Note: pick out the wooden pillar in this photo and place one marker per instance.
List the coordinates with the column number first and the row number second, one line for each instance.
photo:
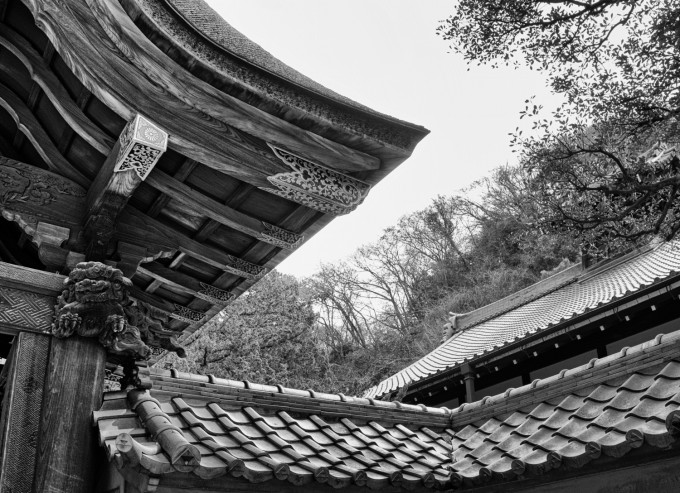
column 74, row 386
column 469, row 379
column 24, row 374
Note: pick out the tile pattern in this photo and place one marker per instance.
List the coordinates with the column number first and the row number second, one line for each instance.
column 273, row 440
column 591, row 290
column 210, row 427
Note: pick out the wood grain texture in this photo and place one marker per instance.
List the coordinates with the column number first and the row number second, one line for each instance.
column 139, row 78
column 196, row 200
column 67, row 446
column 52, row 87
column 40, row 194
column 21, row 410
column 34, row 132
column 130, row 40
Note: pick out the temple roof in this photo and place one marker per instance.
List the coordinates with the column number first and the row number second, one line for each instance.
column 626, row 403
column 151, row 135
column 557, row 301
column 217, row 30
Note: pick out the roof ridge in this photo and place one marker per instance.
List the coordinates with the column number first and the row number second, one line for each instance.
column 307, row 400
column 553, row 384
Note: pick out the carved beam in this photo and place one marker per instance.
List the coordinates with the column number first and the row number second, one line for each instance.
column 137, row 150
column 223, row 213
column 186, row 283
column 168, row 309
column 317, row 186
column 196, row 114
column 47, row 206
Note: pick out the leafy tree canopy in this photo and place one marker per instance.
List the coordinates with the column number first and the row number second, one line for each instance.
column 605, row 163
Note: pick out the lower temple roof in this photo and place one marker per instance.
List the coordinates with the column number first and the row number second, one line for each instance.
column 209, row 429
column 550, row 303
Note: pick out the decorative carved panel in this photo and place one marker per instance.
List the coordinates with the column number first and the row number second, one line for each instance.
column 317, row 186
column 29, row 195
column 214, row 295
column 24, row 309
column 141, row 145
column 244, row 268
column 280, row 237
column 187, row 314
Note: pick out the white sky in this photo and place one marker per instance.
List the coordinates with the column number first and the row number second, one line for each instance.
column 385, row 55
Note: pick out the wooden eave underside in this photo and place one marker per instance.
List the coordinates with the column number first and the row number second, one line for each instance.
column 67, row 90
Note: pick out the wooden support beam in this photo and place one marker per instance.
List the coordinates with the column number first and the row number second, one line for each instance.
column 223, row 214
column 186, row 283
column 133, row 157
column 180, row 175
column 137, row 228
column 34, row 132
column 146, row 80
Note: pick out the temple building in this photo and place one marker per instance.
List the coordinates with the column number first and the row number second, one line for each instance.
column 154, row 164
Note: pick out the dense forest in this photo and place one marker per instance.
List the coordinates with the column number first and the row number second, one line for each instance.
column 600, row 174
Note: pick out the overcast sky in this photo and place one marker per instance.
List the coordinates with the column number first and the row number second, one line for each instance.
column 385, row 54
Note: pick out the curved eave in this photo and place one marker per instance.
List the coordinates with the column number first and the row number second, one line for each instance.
column 195, row 35
column 73, row 72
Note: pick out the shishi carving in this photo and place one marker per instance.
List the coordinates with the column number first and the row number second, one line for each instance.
column 91, row 305
column 95, row 303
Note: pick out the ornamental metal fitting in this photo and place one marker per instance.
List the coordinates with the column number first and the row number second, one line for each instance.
column 141, row 145
column 317, row 186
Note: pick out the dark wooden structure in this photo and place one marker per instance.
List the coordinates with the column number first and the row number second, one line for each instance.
column 154, row 164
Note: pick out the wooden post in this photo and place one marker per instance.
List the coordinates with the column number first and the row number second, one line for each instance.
column 469, row 379
column 21, row 407
column 74, row 389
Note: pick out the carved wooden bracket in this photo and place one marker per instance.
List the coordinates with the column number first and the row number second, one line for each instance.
column 137, row 150
column 280, row 237
column 95, row 303
column 317, row 186
column 186, row 314
column 141, row 145
column 243, row 268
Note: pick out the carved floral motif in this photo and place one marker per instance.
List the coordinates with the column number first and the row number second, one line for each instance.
column 186, row 314
column 317, row 186
column 214, row 295
column 280, row 237
column 141, row 145
column 244, row 268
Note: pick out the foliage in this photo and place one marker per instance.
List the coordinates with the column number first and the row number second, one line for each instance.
column 265, row 336
column 596, row 165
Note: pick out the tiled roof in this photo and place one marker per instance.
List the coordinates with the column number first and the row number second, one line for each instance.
column 542, row 306
column 262, row 433
column 208, row 22
column 207, row 427
column 607, row 407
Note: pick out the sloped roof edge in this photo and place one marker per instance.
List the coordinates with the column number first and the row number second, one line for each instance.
column 553, row 301
column 217, row 31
